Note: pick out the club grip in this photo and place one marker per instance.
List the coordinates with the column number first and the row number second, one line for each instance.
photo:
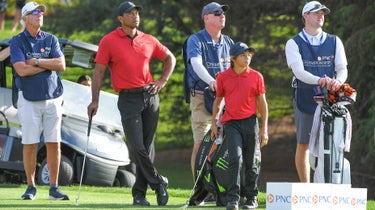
column 89, row 126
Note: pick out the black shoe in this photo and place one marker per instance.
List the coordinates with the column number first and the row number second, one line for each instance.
column 251, row 203
column 140, row 201
column 161, row 192
column 30, row 193
column 233, row 205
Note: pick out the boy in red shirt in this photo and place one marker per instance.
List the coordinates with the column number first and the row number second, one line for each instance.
column 243, row 91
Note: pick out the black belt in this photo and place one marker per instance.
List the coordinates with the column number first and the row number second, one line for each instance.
column 137, row 90
column 193, row 92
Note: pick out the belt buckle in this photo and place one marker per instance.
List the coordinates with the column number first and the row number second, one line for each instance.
column 146, row 87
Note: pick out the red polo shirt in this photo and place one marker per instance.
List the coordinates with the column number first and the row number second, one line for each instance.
column 239, row 92
column 129, row 59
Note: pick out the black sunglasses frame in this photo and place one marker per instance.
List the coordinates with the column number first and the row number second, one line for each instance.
column 218, row 12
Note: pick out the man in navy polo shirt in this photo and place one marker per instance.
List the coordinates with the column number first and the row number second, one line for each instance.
column 37, row 59
column 208, row 54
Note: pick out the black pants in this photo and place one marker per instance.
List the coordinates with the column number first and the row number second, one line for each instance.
column 139, row 116
column 242, row 141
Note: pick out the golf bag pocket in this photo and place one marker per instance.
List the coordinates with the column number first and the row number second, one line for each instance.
column 200, row 173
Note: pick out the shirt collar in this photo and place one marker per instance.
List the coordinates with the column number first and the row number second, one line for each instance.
column 41, row 35
column 314, row 40
column 121, row 33
column 211, row 42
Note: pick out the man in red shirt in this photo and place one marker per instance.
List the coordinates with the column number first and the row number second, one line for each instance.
column 243, row 91
column 128, row 52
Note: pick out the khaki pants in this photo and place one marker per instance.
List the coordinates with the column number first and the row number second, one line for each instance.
column 200, row 118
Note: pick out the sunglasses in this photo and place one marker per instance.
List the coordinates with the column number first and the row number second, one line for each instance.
column 317, row 6
column 217, row 12
column 36, row 12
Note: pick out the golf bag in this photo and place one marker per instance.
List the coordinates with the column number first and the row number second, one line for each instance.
column 206, row 164
column 201, row 171
column 211, row 174
column 330, row 137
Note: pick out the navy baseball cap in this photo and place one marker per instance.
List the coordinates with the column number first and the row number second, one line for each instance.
column 212, row 7
column 126, row 7
column 239, row 48
column 314, row 6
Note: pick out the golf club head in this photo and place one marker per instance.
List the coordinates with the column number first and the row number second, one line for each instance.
column 184, row 206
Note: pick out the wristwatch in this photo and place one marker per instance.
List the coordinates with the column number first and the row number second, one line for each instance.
column 37, row 62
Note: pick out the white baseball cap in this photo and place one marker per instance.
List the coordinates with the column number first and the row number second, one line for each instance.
column 29, row 7
column 314, row 6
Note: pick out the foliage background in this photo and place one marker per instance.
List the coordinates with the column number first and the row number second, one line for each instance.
column 263, row 24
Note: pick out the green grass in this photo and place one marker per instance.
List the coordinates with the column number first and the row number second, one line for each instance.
column 92, row 198
column 101, row 198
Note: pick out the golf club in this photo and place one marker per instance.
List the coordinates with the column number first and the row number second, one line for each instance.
column 219, row 140
column 212, row 147
column 195, row 183
column 84, row 158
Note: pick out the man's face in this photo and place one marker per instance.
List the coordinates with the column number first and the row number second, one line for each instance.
column 130, row 19
column 217, row 19
column 34, row 18
column 315, row 19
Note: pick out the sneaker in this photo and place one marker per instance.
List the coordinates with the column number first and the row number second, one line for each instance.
column 209, row 199
column 161, row 192
column 56, row 194
column 232, row 205
column 251, row 203
column 30, row 193
column 140, row 201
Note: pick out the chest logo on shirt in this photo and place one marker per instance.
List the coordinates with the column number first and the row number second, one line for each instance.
column 44, row 53
column 325, row 58
column 321, row 61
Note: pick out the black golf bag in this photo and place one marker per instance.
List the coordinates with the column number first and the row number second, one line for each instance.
column 201, row 171
column 330, row 137
column 210, row 163
column 211, row 174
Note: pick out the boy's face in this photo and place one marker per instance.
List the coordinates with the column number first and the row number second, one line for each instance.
column 242, row 60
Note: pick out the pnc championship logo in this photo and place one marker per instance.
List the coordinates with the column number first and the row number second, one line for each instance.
column 315, row 199
column 294, row 199
column 335, row 200
column 270, row 198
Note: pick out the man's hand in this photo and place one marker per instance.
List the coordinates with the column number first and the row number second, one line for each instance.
column 329, row 83
column 92, row 109
column 213, row 85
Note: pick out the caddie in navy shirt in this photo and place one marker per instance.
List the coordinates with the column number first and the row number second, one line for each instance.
column 38, row 61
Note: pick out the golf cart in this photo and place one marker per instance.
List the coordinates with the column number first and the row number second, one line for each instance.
column 107, row 156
